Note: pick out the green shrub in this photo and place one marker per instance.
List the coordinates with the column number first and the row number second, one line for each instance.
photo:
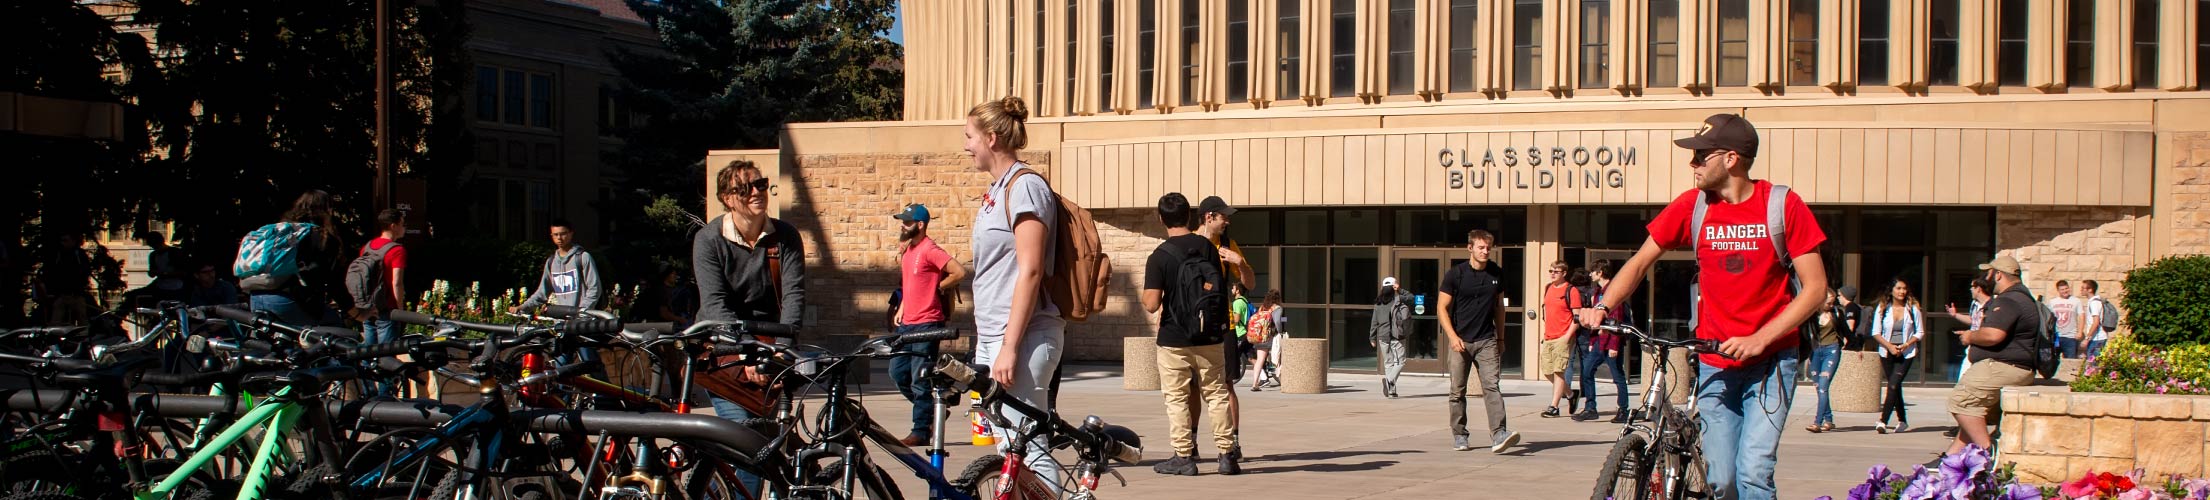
column 2130, row 367
column 2165, row 301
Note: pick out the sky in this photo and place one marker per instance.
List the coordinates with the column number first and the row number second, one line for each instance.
column 897, row 27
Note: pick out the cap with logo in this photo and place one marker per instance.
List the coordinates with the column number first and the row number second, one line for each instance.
column 1215, row 205
column 2003, row 263
column 914, row 212
column 1389, row 281
column 1730, row 132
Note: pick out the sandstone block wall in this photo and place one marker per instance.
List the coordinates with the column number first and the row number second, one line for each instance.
column 2072, row 243
column 2189, row 223
column 2055, row 435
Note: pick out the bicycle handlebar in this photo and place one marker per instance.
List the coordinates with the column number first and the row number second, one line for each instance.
column 1094, row 436
column 1700, row 346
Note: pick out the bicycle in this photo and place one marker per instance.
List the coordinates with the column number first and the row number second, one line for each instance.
column 1008, row 476
column 1659, row 454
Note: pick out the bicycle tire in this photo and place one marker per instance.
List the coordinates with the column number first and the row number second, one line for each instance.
column 873, row 481
column 1627, row 465
column 33, row 471
column 202, row 486
column 982, row 473
column 706, row 481
column 43, row 495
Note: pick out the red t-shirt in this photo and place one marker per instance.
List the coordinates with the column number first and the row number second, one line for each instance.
column 394, row 259
column 1743, row 282
column 921, row 268
column 1557, row 318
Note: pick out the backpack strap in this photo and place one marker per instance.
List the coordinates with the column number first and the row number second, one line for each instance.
column 1696, row 222
column 1776, row 221
column 1006, row 191
column 775, row 275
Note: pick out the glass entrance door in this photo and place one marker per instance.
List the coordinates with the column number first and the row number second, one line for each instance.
column 1420, row 272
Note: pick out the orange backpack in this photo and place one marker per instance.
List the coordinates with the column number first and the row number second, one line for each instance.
column 1080, row 269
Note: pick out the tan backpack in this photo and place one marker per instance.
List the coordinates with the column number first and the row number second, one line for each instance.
column 1080, row 269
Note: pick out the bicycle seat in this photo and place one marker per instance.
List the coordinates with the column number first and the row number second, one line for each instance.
column 332, row 332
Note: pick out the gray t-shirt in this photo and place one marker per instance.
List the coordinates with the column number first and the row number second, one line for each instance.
column 995, row 266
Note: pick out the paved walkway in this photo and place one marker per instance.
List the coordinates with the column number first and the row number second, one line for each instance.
column 1352, row 443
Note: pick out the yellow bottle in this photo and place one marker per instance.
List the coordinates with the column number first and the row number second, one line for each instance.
column 983, row 435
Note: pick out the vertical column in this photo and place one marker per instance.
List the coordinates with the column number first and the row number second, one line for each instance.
column 1053, row 102
column 1630, row 46
column 1212, row 66
column 2114, row 44
column 997, row 39
column 1542, row 248
column 2045, row 35
column 1084, row 26
column 1363, row 63
column 1265, row 64
column 1838, row 38
column 1127, row 15
column 1493, row 45
column 1699, row 44
column 2176, row 36
column 1316, row 18
column 1166, row 79
column 1910, row 44
column 1768, row 45
column 1561, row 24
column 1978, row 37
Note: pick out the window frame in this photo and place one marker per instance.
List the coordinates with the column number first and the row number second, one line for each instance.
column 1342, row 48
column 1738, row 74
column 1147, row 54
column 1939, row 47
column 1803, row 41
column 1872, row 51
column 1526, row 44
column 1192, row 35
column 1664, row 45
column 1400, row 58
column 2079, row 45
column 1595, row 55
column 1239, row 52
column 2146, row 14
column 1463, row 69
column 2011, row 53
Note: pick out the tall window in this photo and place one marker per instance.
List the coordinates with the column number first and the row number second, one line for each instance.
column 1463, row 13
column 1595, row 43
column 1288, row 68
column 1526, row 44
column 1239, row 50
column 1105, row 62
column 1343, row 52
column 2144, row 43
column 1039, row 52
column 1147, row 51
column 1074, row 52
column 487, row 93
column 1941, row 65
column 1190, row 37
column 2010, row 48
column 514, row 97
column 1400, row 47
column 1734, row 43
column 1872, row 44
column 1803, row 42
column 1665, row 46
column 2079, row 44
column 2202, row 43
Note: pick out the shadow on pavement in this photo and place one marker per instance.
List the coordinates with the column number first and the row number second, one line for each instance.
column 1324, row 455
column 1324, row 467
column 1530, row 447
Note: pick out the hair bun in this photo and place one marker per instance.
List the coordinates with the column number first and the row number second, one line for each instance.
column 1015, row 107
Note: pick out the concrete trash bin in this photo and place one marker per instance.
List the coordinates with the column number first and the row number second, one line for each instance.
column 1139, row 363
column 1304, row 365
column 1856, row 387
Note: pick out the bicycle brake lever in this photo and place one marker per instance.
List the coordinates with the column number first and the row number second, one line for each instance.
column 1115, row 473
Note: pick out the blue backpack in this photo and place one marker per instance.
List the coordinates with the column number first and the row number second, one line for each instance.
column 268, row 258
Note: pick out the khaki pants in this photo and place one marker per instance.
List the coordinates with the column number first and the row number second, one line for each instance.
column 1177, row 365
column 1484, row 362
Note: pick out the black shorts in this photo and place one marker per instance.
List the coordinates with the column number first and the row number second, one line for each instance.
column 1236, row 352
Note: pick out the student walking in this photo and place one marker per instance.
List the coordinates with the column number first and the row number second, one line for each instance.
column 927, row 276
column 1386, row 331
column 1018, row 330
column 1826, row 357
column 1602, row 349
column 1263, row 332
column 2101, row 318
column 569, row 277
column 291, row 268
column 1557, row 336
column 1472, row 313
column 1898, row 328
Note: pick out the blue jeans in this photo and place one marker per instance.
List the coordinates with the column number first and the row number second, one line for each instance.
column 1824, row 361
column 910, row 374
column 1592, row 358
column 378, row 330
column 1743, row 411
column 2071, row 346
column 288, row 311
column 731, row 410
column 2095, row 347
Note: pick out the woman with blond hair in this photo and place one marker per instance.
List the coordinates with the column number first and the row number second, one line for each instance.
column 1018, row 332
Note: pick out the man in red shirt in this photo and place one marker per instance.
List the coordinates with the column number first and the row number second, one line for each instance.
column 1742, row 394
column 926, row 277
column 376, row 325
column 1557, row 338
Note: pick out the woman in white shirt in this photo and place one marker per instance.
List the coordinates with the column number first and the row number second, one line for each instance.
column 1897, row 327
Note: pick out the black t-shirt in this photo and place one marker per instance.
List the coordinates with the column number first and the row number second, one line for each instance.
column 1163, row 270
column 2017, row 314
column 1473, row 300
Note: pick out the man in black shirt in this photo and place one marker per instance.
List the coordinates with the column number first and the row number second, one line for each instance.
column 1187, row 349
column 2009, row 334
column 1472, row 310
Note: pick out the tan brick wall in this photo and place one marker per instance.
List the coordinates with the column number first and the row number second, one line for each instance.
column 2189, row 222
column 2071, row 243
column 2055, row 435
column 843, row 205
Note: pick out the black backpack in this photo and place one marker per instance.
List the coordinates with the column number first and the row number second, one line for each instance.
column 2047, row 356
column 1198, row 301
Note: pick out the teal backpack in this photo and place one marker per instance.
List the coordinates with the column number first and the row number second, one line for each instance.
column 268, row 258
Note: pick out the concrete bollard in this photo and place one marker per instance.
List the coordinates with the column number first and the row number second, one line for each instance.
column 1139, row 363
column 1857, row 384
column 1304, row 366
column 1682, row 387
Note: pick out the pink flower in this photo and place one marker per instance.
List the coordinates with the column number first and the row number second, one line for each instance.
column 2135, row 494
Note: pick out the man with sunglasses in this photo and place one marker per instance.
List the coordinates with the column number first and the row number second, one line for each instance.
column 1747, row 306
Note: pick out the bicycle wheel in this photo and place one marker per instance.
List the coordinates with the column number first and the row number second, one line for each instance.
column 1626, row 473
column 981, row 476
column 38, row 470
column 873, row 484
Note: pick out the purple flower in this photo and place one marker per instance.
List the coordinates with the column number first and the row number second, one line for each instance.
column 1864, row 491
column 1923, row 485
column 1877, row 473
column 1964, row 465
column 2020, row 492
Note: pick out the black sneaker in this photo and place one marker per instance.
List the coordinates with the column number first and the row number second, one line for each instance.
column 1177, row 466
column 1550, row 413
column 1585, row 416
column 1619, row 418
column 1228, row 465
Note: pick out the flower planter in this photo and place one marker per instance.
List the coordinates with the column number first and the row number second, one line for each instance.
column 1856, row 387
column 2056, row 435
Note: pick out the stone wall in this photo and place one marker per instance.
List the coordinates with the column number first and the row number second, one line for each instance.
column 2189, row 222
column 2071, row 243
column 843, row 205
column 2055, row 435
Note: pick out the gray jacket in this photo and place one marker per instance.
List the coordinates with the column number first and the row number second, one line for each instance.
column 1389, row 320
column 568, row 280
column 733, row 280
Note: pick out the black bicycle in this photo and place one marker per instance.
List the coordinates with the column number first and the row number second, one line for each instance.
column 1659, row 455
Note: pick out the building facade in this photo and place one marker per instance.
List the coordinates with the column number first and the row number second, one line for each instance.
column 1364, row 138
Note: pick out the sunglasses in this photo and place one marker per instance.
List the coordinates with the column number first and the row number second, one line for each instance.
column 1702, row 155
column 759, row 185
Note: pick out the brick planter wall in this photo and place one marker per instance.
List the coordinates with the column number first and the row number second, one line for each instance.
column 2055, row 435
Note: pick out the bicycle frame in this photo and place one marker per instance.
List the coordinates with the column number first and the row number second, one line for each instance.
column 279, row 419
